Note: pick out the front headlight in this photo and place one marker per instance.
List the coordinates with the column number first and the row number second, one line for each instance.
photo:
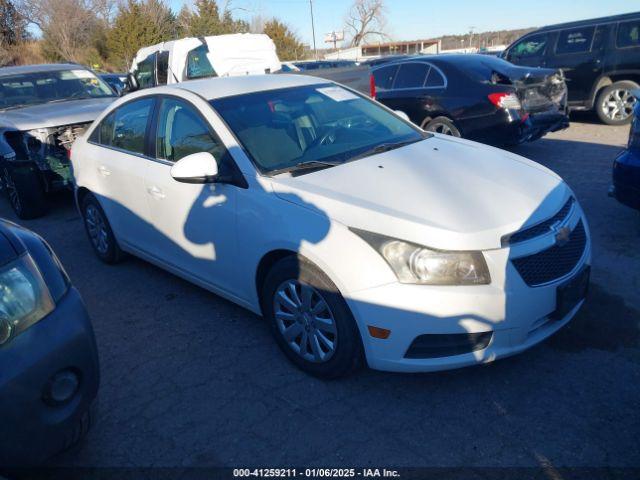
column 417, row 264
column 24, row 297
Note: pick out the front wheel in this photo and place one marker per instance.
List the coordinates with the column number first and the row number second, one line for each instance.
column 310, row 320
column 615, row 103
column 25, row 192
column 442, row 125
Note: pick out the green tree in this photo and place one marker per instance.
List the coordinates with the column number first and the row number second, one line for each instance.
column 137, row 25
column 206, row 19
column 288, row 46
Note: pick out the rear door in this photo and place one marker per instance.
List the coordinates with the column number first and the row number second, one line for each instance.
column 196, row 223
column 624, row 57
column 118, row 148
column 578, row 52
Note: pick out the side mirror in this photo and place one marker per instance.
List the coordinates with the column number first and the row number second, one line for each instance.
column 198, row 167
column 132, row 83
column 402, row 115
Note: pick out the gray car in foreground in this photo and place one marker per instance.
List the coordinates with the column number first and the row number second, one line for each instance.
column 43, row 109
column 49, row 371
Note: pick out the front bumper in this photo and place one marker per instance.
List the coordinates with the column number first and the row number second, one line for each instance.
column 31, row 430
column 517, row 316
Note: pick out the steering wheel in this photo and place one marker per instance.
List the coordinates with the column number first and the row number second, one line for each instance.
column 327, row 138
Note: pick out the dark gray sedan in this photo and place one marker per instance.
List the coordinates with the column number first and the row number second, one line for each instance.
column 49, row 371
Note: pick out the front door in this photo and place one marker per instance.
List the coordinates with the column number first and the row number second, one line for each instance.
column 196, row 223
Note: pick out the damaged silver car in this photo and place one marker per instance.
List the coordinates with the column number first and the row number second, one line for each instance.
column 43, row 109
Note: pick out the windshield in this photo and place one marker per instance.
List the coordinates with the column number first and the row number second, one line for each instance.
column 320, row 123
column 42, row 87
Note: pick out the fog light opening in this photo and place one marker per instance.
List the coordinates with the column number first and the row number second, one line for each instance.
column 377, row 332
column 62, row 387
column 6, row 329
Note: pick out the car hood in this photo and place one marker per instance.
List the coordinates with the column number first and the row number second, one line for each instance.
column 54, row 114
column 443, row 193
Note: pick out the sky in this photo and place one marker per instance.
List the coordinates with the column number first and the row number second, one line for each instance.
column 422, row 19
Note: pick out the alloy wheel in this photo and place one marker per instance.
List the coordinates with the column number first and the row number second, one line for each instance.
column 618, row 104
column 97, row 228
column 305, row 321
column 12, row 192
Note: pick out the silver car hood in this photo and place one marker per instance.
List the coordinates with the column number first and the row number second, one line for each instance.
column 54, row 114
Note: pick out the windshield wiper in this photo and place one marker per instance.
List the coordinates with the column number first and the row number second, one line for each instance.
column 383, row 147
column 308, row 165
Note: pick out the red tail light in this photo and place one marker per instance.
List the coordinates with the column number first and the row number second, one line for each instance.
column 69, row 154
column 508, row 101
column 372, row 86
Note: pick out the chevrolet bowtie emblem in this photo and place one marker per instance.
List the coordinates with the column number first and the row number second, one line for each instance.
column 562, row 236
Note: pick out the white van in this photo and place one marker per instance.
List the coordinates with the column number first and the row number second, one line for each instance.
column 216, row 56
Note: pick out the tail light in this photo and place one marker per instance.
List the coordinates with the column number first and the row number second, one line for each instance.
column 508, row 101
column 372, row 86
column 69, row 154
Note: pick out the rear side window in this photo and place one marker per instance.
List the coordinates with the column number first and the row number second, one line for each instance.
column 129, row 126
column 103, row 134
column 533, row 46
column 384, row 77
column 411, row 75
column 576, row 40
column 628, row 34
column 434, row 79
column 198, row 65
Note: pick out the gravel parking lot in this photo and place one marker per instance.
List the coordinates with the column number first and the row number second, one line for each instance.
column 189, row 379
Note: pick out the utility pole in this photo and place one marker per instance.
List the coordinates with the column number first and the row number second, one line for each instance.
column 313, row 31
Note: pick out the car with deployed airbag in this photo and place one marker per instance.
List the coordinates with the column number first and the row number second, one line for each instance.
column 357, row 235
column 49, row 370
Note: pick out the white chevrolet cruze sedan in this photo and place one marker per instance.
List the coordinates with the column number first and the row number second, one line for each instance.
column 357, row 235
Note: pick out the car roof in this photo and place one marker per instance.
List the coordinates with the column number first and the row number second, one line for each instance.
column 590, row 21
column 468, row 59
column 48, row 67
column 212, row 88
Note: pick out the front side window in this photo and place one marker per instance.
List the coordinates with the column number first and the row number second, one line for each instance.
column 145, row 72
column 577, row 40
column 532, row 46
column 198, row 65
column 35, row 88
column 182, row 131
column 411, row 75
column 384, row 77
column 129, row 126
column 324, row 123
column 628, row 34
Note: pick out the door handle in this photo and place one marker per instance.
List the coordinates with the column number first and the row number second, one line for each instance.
column 104, row 171
column 155, row 192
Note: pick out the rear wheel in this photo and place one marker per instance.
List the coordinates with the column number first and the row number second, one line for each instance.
column 615, row 103
column 25, row 192
column 310, row 320
column 442, row 125
column 99, row 231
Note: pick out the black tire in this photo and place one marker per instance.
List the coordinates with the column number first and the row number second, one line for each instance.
column 25, row 192
column 348, row 353
column 609, row 95
column 442, row 125
column 99, row 231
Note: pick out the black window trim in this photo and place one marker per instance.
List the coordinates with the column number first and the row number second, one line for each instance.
column 122, row 150
column 399, row 64
column 615, row 43
column 589, row 50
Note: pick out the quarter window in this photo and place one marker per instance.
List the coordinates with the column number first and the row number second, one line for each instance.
column 532, row 46
column 628, row 34
column 411, row 75
column 384, row 77
column 198, row 65
column 129, row 126
column 182, row 131
column 434, row 79
column 577, row 40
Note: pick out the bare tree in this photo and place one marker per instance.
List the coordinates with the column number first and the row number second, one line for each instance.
column 366, row 18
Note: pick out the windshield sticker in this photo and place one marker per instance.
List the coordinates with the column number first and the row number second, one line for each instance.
column 337, row 94
column 73, row 74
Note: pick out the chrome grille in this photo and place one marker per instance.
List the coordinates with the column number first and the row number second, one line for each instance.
column 555, row 262
column 540, row 228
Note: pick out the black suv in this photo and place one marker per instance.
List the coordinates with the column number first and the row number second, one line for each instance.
column 600, row 59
